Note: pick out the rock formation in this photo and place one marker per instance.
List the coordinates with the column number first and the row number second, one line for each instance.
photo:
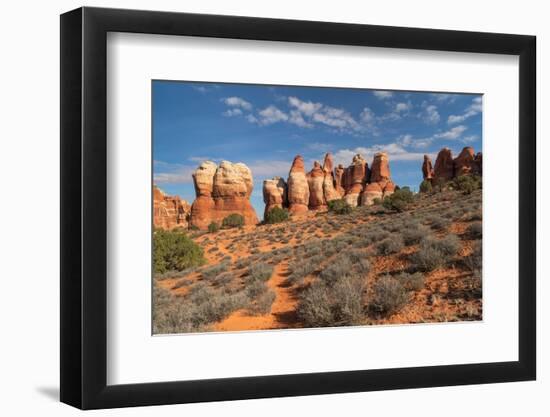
column 298, row 189
column 329, row 184
column 220, row 191
column 446, row 168
column 444, row 165
column 356, row 184
column 338, row 177
column 315, row 181
column 372, row 191
column 275, row 194
column 463, row 163
column 354, row 179
column 427, row 169
column 379, row 174
column 169, row 212
column 380, row 168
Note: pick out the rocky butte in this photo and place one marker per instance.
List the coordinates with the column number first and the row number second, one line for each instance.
column 220, row 191
column 356, row 184
column 169, row 212
column 446, row 168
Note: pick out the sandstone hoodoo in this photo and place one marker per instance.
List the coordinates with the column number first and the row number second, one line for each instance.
column 339, row 178
column 356, row 184
column 169, row 212
column 315, row 181
column 427, row 168
column 298, row 188
column 220, row 191
column 446, row 168
column 355, row 177
column 444, row 165
column 329, row 184
column 380, row 183
column 275, row 194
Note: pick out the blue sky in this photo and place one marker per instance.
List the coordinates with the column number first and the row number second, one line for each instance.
column 266, row 126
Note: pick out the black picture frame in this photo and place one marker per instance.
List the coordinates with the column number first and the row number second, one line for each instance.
column 84, row 207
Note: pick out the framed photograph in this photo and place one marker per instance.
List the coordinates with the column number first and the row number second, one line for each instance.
column 257, row 208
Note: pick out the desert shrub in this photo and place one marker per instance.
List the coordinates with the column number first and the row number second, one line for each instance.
column 175, row 251
column 255, row 288
column 202, row 306
column 347, row 301
column 389, row 295
column 392, row 244
column 170, row 314
column 474, row 261
column 300, row 269
column 474, row 215
column 213, row 227
column 260, row 272
column 467, row 183
column 214, row 270
column 233, row 220
column 223, row 279
column 174, row 274
column 243, row 262
column 439, row 184
column 411, row 282
column 377, row 201
column 218, row 306
column 314, row 306
column 426, row 186
column 339, row 207
column 338, row 305
column 434, row 253
column 475, row 230
column 413, row 235
column 399, row 200
column 336, row 270
column 184, row 282
column 276, row 215
column 440, row 223
column 264, row 302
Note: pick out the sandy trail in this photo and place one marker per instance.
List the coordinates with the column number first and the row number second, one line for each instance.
column 283, row 310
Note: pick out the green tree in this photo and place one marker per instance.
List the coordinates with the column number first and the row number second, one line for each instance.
column 276, row 215
column 426, row 186
column 339, row 207
column 175, row 251
column 399, row 200
column 213, row 227
column 233, row 220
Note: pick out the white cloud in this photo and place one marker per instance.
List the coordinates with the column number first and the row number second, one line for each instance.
column 251, row 118
column 320, row 147
column 237, row 102
column 469, row 139
column 306, row 107
column 367, row 116
column 270, row 115
column 395, row 151
column 444, row 97
column 336, row 118
column 474, row 108
column 382, row 95
column 172, row 173
column 297, row 119
column 452, row 134
column 233, row 112
column 403, row 107
column 430, row 115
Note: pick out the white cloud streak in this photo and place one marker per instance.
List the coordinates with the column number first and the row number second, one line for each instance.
column 474, row 108
column 237, row 102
